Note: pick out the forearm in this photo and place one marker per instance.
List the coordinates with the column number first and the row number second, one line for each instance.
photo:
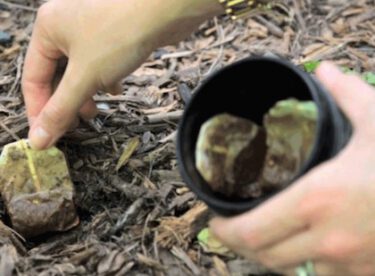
column 204, row 9
column 177, row 19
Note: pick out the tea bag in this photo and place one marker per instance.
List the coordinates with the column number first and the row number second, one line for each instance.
column 37, row 189
column 230, row 153
column 290, row 127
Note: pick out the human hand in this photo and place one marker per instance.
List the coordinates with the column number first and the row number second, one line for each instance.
column 104, row 41
column 328, row 215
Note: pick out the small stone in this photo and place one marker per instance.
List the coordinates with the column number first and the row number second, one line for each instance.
column 230, row 153
column 5, row 38
column 79, row 164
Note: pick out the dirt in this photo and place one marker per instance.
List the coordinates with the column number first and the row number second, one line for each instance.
column 141, row 219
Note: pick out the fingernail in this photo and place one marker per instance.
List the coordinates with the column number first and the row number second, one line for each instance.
column 40, row 138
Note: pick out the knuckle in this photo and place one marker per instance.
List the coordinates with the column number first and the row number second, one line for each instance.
column 89, row 110
column 321, row 201
column 251, row 238
column 339, row 246
column 44, row 13
column 27, row 86
column 31, row 87
column 53, row 116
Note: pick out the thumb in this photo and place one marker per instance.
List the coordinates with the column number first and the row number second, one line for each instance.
column 61, row 109
column 354, row 96
column 286, row 214
column 272, row 221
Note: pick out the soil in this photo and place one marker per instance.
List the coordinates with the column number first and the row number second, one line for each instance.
column 141, row 219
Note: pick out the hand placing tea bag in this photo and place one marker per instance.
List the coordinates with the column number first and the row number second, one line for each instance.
column 36, row 189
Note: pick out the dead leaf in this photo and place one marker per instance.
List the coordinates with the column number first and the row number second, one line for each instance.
column 211, row 244
column 128, row 152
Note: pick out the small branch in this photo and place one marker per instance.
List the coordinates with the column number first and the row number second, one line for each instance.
column 127, row 218
column 272, row 28
column 163, row 117
column 11, row 133
column 179, row 253
column 18, row 6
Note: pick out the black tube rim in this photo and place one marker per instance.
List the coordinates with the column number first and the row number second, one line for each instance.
column 227, row 207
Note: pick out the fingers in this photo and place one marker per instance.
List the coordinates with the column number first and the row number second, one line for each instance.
column 115, row 89
column 355, row 97
column 320, row 268
column 74, row 124
column 273, row 221
column 89, row 110
column 39, row 69
column 291, row 252
column 62, row 108
column 287, row 214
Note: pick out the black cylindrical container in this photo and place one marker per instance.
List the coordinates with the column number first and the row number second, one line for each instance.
column 249, row 88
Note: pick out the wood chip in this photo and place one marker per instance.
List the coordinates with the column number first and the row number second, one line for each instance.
column 128, row 151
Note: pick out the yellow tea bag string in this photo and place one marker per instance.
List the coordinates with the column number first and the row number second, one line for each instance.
column 31, row 164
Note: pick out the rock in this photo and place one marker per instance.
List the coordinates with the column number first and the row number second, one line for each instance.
column 5, row 38
column 230, row 153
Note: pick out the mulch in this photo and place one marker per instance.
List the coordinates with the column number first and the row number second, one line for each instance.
column 141, row 219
